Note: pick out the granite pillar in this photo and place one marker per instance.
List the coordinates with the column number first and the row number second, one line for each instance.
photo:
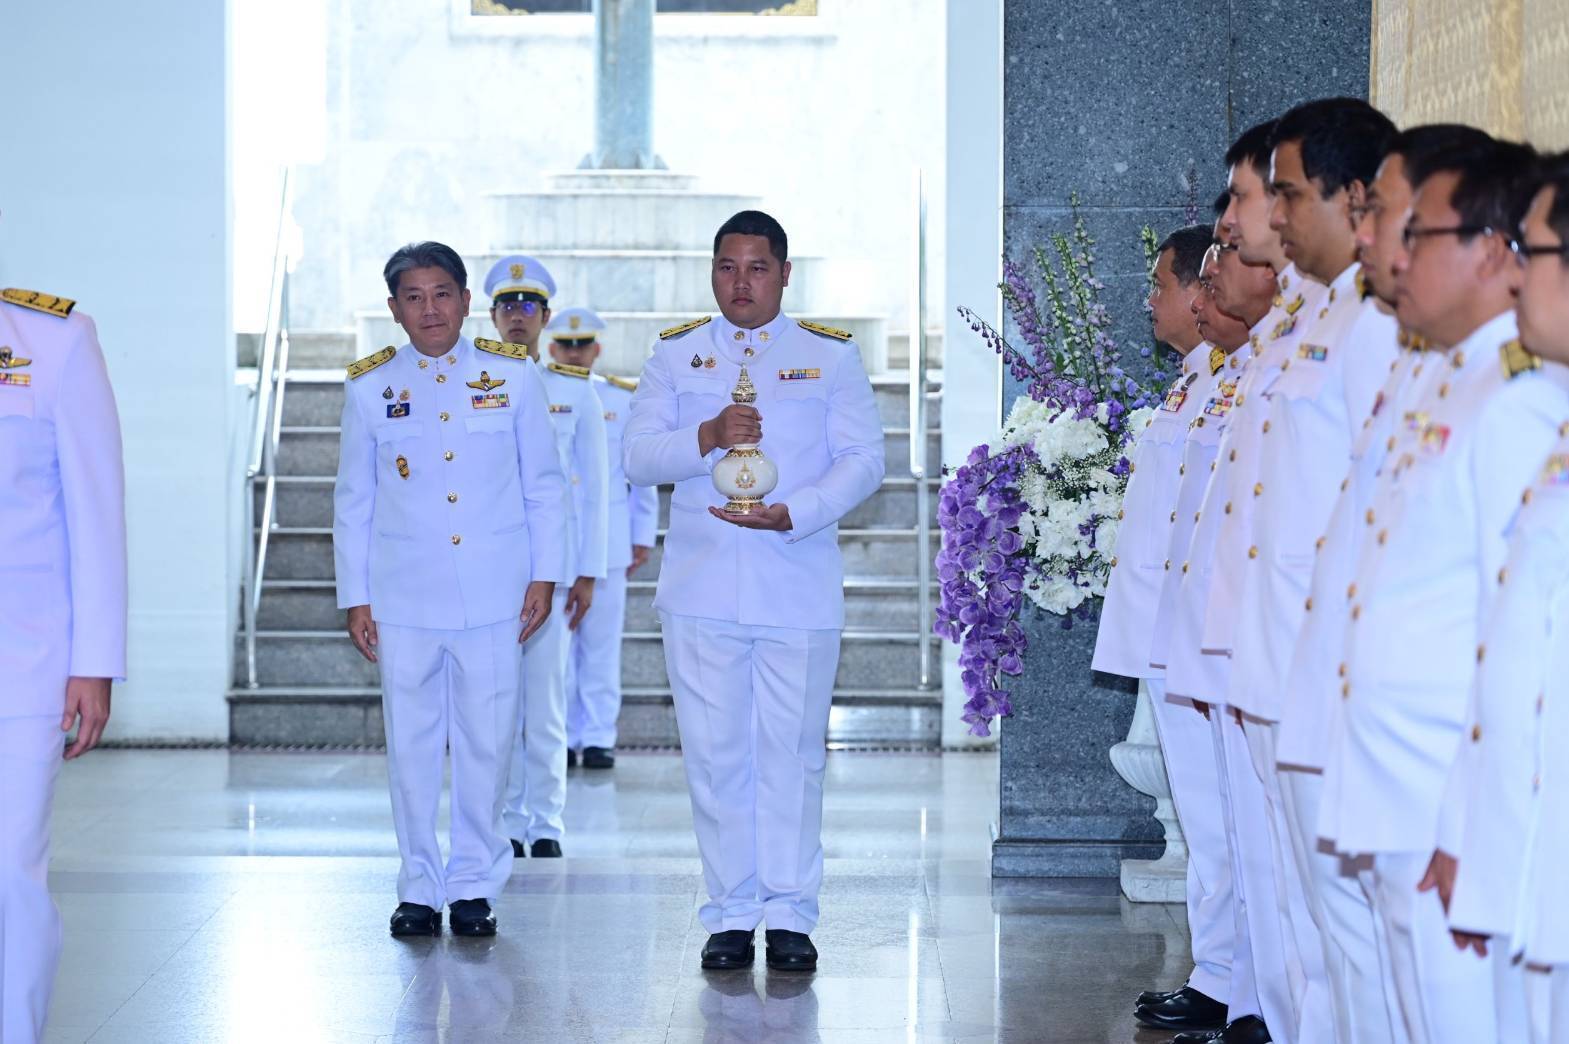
column 623, row 86
column 1131, row 105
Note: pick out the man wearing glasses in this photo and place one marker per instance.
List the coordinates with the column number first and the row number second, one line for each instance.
column 1432, row 545
column 520, row 289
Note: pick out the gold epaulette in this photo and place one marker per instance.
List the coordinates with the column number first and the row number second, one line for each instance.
column 60, row 307
column 1517, row 360
column 677, row 331
column 503, row 348
column 621, row 382
column 825, row 331
column 361, row 367
column 1217, row 359
column 570, row 371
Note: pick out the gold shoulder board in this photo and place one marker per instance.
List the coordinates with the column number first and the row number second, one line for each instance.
column 55, row 306
column 361, row 367
column 1517, row 360
column 570, row 371
column 511, row 351
column 622, row 382
column 825, row 331
column 677, row 331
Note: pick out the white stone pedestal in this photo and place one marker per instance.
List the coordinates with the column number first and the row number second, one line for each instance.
column 1138, row 760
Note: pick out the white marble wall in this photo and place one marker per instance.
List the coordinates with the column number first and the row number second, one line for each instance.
column 430, row 109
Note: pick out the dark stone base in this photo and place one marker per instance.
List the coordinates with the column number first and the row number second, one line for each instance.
column 1067, row 858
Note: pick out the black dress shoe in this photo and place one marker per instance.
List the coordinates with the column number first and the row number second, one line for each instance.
column 472, row 917
column 545, row 848
column 598, row 758
column 726, row 950
column 571, row 758
column 415, row 919
column 790, row 951
column 1214, row 1036
column 1186, row 1009
column 519, row 849
column 1249, row 1029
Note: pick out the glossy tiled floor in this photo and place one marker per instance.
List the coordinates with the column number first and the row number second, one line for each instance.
column 224, row 897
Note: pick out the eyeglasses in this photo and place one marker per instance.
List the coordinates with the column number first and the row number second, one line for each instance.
column 524, row 308
column 1410, row 235
column 1526, row 251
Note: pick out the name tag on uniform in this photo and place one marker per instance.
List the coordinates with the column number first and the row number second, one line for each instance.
column 492, row 401
column 16, row 380
column 398, row 409
column 1313, row 352
column 800, row 375
column 557, row 407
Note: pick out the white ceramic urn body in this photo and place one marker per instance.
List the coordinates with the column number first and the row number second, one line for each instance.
column 745, row 476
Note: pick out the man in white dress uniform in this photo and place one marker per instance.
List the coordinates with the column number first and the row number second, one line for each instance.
column 1324, row 155
column 1127, row 623
column 593, row 678
column 449, row 537
column 520, row 289
column 1508, row 893
column 752, row 606
column 62, row 611
column 1433, row 541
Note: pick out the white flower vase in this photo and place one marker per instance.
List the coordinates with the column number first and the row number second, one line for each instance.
column 1138, row 760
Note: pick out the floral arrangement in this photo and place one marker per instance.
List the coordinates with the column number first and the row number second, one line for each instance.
column 1033, row 516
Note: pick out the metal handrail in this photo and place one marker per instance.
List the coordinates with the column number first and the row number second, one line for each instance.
column 272, row 366
column 923, row 527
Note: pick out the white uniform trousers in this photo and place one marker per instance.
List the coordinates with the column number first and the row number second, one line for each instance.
column 1558, row 1004
column 752, row 705
column 1188, row 748
column 1363, row 1001
column 30, row 750
column 537, row 783
column 454, row 690
column 594, row 666
column 1275, row 976
column 1298, row 925
column 1444, row 994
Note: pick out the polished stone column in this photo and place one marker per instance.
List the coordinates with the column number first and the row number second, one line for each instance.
column 623, row 86
column 1118, row 103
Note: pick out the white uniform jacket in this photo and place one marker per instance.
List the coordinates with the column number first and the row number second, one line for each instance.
column 1273, row 346
column 1127, row 620
column 1510, row 773
column 1434, row 530
column 578, row 416
column 62, row 510
column 1314, row 409
column 1312, row 684
column 820, row 428
column 450, row 498
column 1189, row 566
column 633, row 517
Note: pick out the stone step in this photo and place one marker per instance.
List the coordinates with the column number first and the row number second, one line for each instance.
column 663, row 281
column 867, row 659
column 870, row 603
column 313, row 450
column 620, row 180
column 614, row 218
column 314, row 398
column 306, row 553
column 629, row 335
column 899, row 349
column 351, row 716
column 306, row 501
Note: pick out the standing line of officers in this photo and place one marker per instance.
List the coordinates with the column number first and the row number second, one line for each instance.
column 1342, row 566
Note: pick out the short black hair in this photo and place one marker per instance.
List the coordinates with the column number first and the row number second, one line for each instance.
column 756, row 223
column 1494, row 185
column 1423, row 147
column 1187, row 246
column 1342, row 139
column 1222, row 201
column 1253, row 148
column 428, row 254
column 1555, row 175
